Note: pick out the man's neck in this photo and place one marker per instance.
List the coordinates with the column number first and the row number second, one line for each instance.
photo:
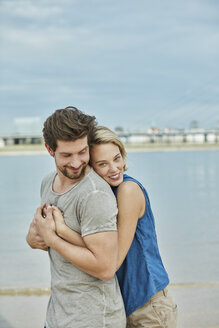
column 62, row 183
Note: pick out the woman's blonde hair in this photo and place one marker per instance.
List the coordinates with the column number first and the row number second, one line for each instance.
column 103, row 135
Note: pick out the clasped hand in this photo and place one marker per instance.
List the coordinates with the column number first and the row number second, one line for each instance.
column 47, row 221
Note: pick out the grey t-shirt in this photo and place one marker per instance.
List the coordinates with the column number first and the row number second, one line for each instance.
column 79, row 300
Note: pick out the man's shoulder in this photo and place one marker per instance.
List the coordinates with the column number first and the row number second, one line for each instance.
column 50, row 176
column 46, row 183
column 94, row 188
column 93, row 182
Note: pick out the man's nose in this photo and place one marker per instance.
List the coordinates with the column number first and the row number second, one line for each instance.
column 75, row 162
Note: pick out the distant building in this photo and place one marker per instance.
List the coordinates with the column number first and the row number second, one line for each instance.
column 119, row 129
column 138, row 138
column 28, row 126
column 2, row 143
column 194, row 125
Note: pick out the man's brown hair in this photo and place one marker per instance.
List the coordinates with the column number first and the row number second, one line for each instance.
column 68, row 124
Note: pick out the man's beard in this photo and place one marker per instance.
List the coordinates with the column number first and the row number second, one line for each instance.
column 71, row 175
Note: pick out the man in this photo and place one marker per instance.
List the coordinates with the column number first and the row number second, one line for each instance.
column 84, row 289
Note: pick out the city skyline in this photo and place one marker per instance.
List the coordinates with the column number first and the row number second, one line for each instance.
column 131, row 64
column 32, row 126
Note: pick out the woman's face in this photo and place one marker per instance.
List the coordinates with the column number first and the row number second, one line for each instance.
column 107, row 161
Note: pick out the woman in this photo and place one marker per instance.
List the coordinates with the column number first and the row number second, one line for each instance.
column 141, row 274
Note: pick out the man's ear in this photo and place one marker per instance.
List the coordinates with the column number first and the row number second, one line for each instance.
column 50, row 151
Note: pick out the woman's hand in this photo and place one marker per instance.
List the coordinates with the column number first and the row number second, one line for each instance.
column 59, row 220
column 63, row 231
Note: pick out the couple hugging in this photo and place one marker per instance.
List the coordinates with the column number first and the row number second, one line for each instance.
column 97, row 225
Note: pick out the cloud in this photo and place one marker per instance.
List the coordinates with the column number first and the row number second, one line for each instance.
column 39, row 10
column 129, row 61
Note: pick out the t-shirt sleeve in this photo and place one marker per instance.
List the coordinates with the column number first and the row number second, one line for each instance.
column 98, row 213
column 46, row 183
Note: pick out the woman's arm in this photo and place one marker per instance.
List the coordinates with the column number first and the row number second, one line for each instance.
column 98, row 258
column 131, row 204
column 64, row 231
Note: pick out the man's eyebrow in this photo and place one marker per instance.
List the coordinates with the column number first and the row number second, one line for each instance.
column 84, row 148
column 64, row 153
column 69, row 153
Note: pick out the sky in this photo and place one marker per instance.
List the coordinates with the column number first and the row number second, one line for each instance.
column 134, row 64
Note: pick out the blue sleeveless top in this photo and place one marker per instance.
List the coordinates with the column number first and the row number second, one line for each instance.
column 142, row 273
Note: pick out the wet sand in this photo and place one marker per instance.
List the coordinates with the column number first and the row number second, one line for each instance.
column 198, row 306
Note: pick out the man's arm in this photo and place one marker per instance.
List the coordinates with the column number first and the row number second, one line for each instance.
column 98, row 258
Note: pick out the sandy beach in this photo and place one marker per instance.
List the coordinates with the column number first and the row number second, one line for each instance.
column 28, row 150
column 197, row 304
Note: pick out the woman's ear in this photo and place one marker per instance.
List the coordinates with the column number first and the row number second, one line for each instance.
column 50, row 151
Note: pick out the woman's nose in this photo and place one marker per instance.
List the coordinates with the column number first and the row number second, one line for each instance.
column 113, row 167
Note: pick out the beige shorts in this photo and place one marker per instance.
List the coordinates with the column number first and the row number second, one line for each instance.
column 159, row 312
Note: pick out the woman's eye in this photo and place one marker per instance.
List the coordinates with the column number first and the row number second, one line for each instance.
column 117, row 158
column 102, row 164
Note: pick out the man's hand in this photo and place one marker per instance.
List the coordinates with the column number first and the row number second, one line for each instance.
column 45, row 225
column 33, row 238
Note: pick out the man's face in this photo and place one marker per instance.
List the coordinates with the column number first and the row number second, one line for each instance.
column 72, row 158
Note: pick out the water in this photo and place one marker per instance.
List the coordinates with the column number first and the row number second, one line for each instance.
column 183, row 189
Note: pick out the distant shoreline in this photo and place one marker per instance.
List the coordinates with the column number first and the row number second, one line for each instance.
column 172, row 147
column 28, row 150
column 46, row 290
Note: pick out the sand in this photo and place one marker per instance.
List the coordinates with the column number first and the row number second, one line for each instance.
column 198, row 306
